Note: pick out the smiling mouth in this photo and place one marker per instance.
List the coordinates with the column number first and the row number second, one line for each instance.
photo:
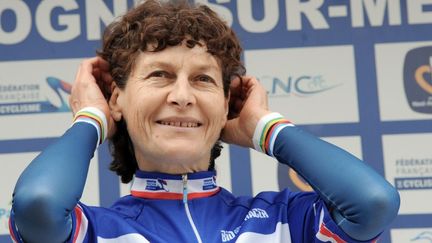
column 179, row 124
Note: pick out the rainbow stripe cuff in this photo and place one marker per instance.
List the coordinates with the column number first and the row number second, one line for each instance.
column 95, row 117
column 266, row 131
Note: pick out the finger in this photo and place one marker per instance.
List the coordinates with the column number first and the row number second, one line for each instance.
column 253, row 85
column 100, row 63
column 244, row 86
column 235, row 82
column 235, row 97
column 236, row 86
column 95, row 70
column 89, row 66
column 106, row 77
column 84, row 74
column 235, row 108
column 102, row 76
column 249, row 82
column 97, row 62
column 97, row 74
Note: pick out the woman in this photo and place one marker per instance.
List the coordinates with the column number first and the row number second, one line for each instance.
column 172, row 99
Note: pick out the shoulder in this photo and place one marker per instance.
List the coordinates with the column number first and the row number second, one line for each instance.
column 124, row 207
column 95, row 221
column 284, row 197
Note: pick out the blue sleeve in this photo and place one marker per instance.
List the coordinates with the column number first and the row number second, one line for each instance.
column 361, row 201
column 49, row 188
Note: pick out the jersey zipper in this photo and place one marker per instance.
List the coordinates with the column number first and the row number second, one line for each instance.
column 185, row 202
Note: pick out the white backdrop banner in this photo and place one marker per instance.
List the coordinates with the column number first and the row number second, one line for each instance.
column 357, row 73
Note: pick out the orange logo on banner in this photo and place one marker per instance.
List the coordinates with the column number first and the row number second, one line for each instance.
column 419, row 77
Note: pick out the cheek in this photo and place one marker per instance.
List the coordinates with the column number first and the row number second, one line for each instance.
column 218, row 117
column 136, row 117
column 217, row 109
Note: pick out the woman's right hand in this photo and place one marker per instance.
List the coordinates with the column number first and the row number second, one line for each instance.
column 248, row 104
column 91, row 87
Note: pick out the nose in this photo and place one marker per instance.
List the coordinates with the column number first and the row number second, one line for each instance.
column 181, row 94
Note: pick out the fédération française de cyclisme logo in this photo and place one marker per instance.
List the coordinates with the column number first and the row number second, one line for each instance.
column 30, row 98
column 418, row 79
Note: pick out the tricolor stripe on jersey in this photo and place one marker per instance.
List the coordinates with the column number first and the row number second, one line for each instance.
column 202, row 184
column 13, row 231
column 81, row 225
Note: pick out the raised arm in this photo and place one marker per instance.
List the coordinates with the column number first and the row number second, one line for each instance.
column 361, row 202
column 362, row 210
column 49, row 188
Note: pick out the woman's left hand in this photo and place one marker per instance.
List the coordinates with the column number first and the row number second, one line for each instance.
column 91, row 87
column 248, row 103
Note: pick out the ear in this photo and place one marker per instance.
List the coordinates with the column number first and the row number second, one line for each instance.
column 115, row 102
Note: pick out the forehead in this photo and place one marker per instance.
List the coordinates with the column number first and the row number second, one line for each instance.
column 179, row 56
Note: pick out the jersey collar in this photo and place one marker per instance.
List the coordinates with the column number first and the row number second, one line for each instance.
column 153, row 185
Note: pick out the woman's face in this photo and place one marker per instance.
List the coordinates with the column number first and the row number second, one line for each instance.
column 174, row 107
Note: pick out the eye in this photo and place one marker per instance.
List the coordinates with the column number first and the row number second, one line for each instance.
column 205, row 79
column 159, row 74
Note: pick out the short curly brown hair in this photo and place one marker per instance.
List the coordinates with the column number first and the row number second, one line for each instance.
column 162, row 24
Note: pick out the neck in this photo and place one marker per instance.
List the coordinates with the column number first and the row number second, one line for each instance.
column 174, row 166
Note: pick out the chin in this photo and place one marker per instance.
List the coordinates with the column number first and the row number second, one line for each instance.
column 181, row 147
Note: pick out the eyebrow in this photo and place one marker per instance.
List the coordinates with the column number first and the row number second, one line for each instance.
column 160, row 64
column 200, row 67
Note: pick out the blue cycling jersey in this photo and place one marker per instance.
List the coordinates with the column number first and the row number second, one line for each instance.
column 192, row 208
column 155, row 212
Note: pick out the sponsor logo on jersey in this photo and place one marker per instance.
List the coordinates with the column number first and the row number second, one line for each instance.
column 30, row 98
column 156, row 185
column 254, row 213
column 228, row 235
column 209, row 183
column 418, row 79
